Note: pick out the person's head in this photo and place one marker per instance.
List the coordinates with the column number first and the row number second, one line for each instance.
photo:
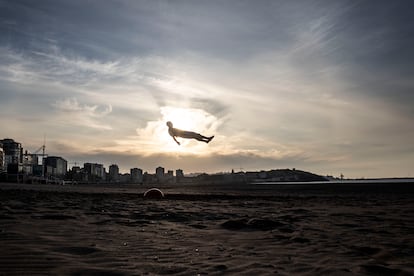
column 169, row 124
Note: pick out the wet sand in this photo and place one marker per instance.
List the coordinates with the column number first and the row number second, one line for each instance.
column 207, row 230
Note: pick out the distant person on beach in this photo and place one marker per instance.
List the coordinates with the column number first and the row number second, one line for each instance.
column 175, row 132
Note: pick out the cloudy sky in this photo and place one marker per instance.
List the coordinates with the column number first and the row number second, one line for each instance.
column 323, row 86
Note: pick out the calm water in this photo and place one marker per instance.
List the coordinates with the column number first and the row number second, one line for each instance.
column 353, row 181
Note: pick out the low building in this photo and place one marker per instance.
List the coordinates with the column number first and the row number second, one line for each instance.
column 148, row 178
column 124, row 178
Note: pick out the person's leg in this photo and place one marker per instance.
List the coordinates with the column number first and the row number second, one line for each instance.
column 206, row 139
column 194, row 135
column 197, row 136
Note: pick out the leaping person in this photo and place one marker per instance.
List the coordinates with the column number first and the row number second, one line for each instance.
column 175, row 132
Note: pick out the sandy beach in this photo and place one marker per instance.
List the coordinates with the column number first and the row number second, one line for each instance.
column 207, row 230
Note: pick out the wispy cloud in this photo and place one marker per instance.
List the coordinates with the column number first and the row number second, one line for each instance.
column 71, row 112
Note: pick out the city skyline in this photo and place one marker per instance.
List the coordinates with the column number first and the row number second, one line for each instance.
column 323, row 86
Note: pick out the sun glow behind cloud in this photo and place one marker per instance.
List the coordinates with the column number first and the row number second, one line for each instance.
column 154, row 137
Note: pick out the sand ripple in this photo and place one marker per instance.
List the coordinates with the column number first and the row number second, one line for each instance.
column 65, row 233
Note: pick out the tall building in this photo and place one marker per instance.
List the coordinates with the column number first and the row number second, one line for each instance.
column 159, row 173
column 13, row 155
column 169, row 176
column 136, row 175
column 94, row 172
column 114, row 173
column 1, row 158
column 179, row 173
column 55, row 166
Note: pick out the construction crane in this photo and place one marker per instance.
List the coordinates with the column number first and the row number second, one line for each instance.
column 32, row 158
column 73, row 163
column 41, row 148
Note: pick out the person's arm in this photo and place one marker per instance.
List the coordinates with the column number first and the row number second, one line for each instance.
column 172, row 134
column 176, row 140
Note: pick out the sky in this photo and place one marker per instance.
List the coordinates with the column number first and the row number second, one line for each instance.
column 322, row 86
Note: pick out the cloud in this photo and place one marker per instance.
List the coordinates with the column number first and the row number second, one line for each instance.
column 189, row 162
column 72, row 105
column 153, row 138
column 311, row 81
column 71, row 112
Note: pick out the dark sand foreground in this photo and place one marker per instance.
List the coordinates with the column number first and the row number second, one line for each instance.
column 332, row 229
